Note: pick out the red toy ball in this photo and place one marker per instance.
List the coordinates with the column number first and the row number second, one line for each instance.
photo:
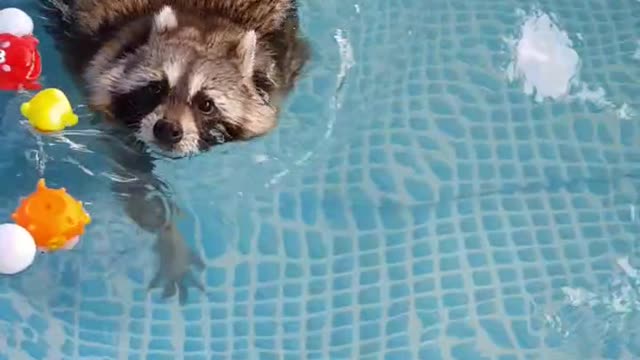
column 20, row 63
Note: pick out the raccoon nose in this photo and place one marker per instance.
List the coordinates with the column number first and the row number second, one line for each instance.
column 167, row 131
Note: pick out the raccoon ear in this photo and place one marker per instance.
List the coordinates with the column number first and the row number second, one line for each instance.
column 246, row 52
column 165, row 20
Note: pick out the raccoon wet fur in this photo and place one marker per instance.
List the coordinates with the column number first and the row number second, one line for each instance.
column 182, row 75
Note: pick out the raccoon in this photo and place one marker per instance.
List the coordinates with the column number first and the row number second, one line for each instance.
column 183, row 75
column 179, row 76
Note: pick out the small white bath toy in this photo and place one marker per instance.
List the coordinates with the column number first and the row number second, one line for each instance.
column 17, row 249
column 15, row 22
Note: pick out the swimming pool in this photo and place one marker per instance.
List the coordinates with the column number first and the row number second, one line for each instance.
column 454, row 179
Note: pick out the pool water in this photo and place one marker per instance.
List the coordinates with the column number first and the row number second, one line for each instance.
column 453, row 179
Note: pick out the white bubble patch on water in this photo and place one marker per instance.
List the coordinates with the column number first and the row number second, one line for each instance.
column 623, row 295
column 544, row 58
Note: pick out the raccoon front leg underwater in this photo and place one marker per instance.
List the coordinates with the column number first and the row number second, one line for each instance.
column 148, row 202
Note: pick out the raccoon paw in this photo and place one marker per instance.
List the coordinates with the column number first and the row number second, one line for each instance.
column 177, row 266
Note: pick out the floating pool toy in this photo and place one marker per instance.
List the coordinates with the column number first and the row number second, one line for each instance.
column 20, row 63
column 49, row 111
column 54, row 218
column 17, row 249
column 16, row 22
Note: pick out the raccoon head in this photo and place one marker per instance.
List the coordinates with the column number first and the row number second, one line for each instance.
column 183, row 86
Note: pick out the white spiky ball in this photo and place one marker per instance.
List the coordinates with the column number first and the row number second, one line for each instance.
column 17, row 249
column 15, row 22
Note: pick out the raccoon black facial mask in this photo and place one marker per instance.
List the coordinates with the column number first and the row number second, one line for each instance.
column 131, row 107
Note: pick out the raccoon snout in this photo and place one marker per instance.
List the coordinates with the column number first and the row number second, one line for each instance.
column 168, row 132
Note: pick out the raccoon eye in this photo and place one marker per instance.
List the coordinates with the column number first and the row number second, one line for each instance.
column 206, row 106
column 155, row 88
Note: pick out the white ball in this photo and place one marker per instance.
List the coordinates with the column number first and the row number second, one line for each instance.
column 15, row 22
column 17, row 249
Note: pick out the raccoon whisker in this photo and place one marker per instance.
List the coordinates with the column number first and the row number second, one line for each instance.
column 136, row 141
column 57, row 5
column 134, row 137
column 222, row 129
column 130, row 123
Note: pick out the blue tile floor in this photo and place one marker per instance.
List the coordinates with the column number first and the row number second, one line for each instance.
column 453, row 179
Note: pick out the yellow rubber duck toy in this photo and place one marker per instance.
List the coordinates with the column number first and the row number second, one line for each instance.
column 49, row 111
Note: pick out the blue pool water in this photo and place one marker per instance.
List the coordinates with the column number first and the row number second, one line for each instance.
column 453, row 179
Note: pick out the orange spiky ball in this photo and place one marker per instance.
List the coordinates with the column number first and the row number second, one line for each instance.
column 53, row 217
